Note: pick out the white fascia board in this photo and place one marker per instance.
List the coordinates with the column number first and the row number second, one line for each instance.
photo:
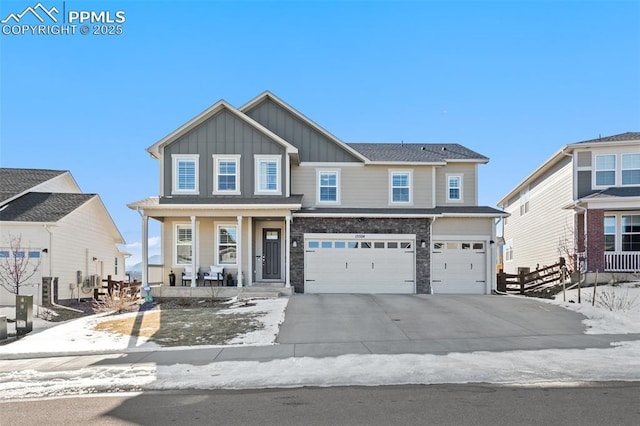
column 154, row 149
column 329, row 164
column 627, row 203
column 582, row 145
column 222, row 207
column 550, row 162
column 298, row 114
column 473, row 160
column 9, row 223
column 480, row 215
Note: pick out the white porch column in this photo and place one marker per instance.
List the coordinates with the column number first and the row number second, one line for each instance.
column 239, row 247
column 145, row 250
column 250, row 251
column 287, row 250
column 194, row 261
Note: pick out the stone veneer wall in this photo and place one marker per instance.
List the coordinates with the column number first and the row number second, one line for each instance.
column 332, row 225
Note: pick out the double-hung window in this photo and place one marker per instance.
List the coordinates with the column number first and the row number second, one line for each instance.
column 609, row 233
column 630, row 230
column 454, row 188
column 400, row 187
column 328, row 190
column 185, row 174
column 226, row 170
column 524, row 201
column 606, row 170
column 267, row 174
column 631, row 169
column 184, row 245
column 227, row 244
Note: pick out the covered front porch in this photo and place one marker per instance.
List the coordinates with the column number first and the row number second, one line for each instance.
column 249, row 247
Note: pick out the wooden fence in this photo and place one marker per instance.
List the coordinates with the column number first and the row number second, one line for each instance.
column 110, row 286
column 534, row 282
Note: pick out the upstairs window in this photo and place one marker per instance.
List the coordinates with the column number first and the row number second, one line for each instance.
column 328, row 186
column 631, row 169
column 524, row 202
column 185, row 174
column 268, row 174
column 609, row 233
column 226, row 171
column 605, row 170
column 454, row 188
column 400, row 185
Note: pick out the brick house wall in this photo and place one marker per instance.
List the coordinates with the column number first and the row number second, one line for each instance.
column 419, row 227
column 595, row 240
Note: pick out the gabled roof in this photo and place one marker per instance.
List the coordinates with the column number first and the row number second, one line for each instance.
column 268, row 95
column 435, row 153
column 615, row 192
column 44, row 207
column 214, row 109
column 14, row 182
column 619, row 139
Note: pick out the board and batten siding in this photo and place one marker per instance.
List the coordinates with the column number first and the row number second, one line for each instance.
column 223, row 134
column 362, row 186
column 312, row 145
column 469, row 184
column 535, row 235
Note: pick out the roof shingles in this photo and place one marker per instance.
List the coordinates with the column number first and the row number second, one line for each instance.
column 42, row 207
column 416, row 152
column 16, row 181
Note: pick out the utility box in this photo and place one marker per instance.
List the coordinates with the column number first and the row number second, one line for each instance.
column 24, row 314
column 3, row 328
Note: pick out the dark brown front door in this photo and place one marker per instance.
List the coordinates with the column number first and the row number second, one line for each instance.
column 271, row 253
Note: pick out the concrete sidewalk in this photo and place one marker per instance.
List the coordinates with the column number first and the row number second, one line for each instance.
column 334, row 325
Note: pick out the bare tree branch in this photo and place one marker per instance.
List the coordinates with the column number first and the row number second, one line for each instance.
column 17, row 268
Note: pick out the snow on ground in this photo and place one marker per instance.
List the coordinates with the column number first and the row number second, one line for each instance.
column 538, row 368
column 80, row 335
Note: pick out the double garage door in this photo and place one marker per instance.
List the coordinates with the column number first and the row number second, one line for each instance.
column 359, row 263
column 458, row 267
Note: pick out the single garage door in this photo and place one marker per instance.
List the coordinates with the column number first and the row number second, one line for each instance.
column 458, row 267
column 361, row 263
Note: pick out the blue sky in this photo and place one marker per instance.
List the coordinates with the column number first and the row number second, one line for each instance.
column 514, row 81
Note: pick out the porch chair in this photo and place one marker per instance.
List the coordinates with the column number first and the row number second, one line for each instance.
column 187, row 275
column 216, row 273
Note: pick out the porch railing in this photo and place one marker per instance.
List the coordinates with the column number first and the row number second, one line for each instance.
column 622, row 261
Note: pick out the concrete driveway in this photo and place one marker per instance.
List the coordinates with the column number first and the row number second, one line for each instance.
column 331, row 324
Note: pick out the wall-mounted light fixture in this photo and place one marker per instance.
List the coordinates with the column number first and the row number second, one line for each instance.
column 95, row 258
column 492, row 242
column 294, row 243
column 44, row 250
column 423, row 244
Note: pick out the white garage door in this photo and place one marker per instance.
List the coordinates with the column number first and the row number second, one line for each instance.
column 362, row 263
column 458, row 267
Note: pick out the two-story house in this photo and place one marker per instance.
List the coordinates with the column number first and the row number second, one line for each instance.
column 65, row 233
column 272, row 197
column 583, row 204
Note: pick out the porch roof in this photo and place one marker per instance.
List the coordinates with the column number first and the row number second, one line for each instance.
column 294, row 202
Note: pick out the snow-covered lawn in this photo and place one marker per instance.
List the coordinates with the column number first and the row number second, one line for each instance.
column 537, row 368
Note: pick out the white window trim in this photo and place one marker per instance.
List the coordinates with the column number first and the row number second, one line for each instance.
column 216, row 169
column 508, row 247
column 621, row 169
column 524, row 201
column 257, row 160
column 616, row 173
column 401, row 203
column 320, row 172
column 217, row 239
column 461, row 187
column 194, row 251
column 174, row 161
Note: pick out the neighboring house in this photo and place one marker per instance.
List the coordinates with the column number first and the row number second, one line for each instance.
column 69, row 232
column 583, row 204
column 272, row 197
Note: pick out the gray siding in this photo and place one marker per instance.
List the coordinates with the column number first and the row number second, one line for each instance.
column 312, row 145
column 584, row 183
column 224, row 133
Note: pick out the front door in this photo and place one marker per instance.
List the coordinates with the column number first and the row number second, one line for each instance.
column 271, row 254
